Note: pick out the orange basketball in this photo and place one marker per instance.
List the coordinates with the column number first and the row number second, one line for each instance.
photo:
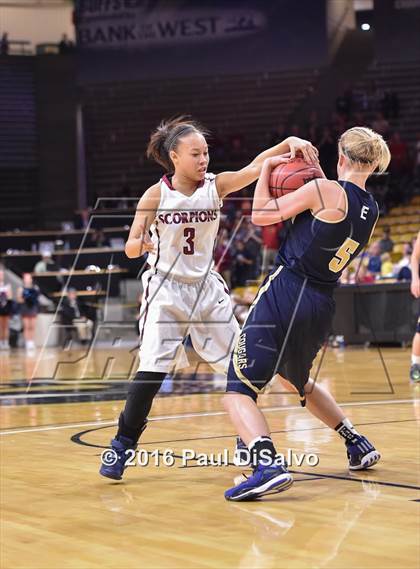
column 290, row 176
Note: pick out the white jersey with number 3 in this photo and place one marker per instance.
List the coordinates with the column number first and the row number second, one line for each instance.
column 185, row 230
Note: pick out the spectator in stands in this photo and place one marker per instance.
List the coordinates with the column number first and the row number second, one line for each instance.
column 313, row 134
column 386, row 244
column 390, row 105
column 358, row 118
column 343, row 103
column 246, row 210
column 328, row 152
column 77, row 317
column 217, row 145
column 223, row 256
column 362, row 275
column 65, row 45
column 243, row 265
column 28, row 299
column 5, row 310
column 277, row 135
column 99, row 239
column 295, row 130
column 127, row 197
column 387, row 267
column 374, row 256
column 381, row 125
column 358, row 101
column 313, row 120
column 400, row 163
column 82, row 216
column 253, row 246
column 402, row 269
column 373, row 97
column 271, row 242
column 338, row 125
column 237, row 150
column 46, row 264
column 4, row 44
column 400, row 170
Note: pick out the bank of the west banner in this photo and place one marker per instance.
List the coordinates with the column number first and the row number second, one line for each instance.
column 145, row 24
column 140, row 39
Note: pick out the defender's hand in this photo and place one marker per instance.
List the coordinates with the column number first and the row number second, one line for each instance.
column 304, row 147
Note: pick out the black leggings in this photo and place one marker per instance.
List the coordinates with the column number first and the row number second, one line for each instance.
column 140, row 397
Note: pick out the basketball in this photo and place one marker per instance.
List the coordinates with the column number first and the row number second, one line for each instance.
column 290, row 176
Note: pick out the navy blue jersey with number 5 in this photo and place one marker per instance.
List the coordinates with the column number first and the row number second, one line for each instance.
column 320, row 250
column 292, row 313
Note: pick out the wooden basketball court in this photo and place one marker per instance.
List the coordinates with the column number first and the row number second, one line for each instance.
column 58, row 512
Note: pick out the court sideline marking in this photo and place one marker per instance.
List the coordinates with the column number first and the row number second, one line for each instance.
column 192, row 415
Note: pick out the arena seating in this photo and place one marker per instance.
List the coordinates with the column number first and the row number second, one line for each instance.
column 402, row 78
column 404, row 222
column 18, row 154
column 120, row 116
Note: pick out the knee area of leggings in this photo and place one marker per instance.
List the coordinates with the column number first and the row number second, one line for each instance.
column 146, row 384
column 149, row 376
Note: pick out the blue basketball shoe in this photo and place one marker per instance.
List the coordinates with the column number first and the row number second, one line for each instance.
column 114, row 459
column 263, row 481
column 361, row 453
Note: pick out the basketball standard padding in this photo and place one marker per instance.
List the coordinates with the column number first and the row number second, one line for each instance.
column 290, row 176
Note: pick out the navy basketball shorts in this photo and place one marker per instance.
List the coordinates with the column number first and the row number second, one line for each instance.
column 284, row 330
column 418, row 325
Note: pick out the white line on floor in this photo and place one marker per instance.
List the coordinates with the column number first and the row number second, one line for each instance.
column 192, row 415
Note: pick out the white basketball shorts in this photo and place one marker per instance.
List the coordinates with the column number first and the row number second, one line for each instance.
column 171, row 309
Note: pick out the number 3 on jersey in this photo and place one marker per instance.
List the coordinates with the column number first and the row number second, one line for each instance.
column 342, row 257
column 189, row 234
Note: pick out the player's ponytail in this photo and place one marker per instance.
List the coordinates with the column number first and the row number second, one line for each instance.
column 167, row 136
column 384, row 155
column 365, row 147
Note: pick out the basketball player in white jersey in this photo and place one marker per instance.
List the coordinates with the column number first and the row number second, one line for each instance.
column 176, row 223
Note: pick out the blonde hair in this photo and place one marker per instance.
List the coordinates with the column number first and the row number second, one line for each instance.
column 364, row 146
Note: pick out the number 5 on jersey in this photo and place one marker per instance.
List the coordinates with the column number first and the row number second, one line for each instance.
column 189, row 234
column 342, row 257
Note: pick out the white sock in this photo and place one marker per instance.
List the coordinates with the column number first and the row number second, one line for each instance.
column 259, row 438
column 346, row 429
column 415, row 359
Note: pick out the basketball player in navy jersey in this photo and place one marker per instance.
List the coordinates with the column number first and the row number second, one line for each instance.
column 183, row 295
column 292, row 312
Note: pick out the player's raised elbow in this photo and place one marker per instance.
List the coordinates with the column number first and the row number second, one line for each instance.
column 130, row 250
column 255, row 217
column 260, row 218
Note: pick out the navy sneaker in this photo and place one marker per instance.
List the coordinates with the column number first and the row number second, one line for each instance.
column 114, row 459
column 361, row 453
column 415, row 373
column 263, row 481
column 241, row 456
